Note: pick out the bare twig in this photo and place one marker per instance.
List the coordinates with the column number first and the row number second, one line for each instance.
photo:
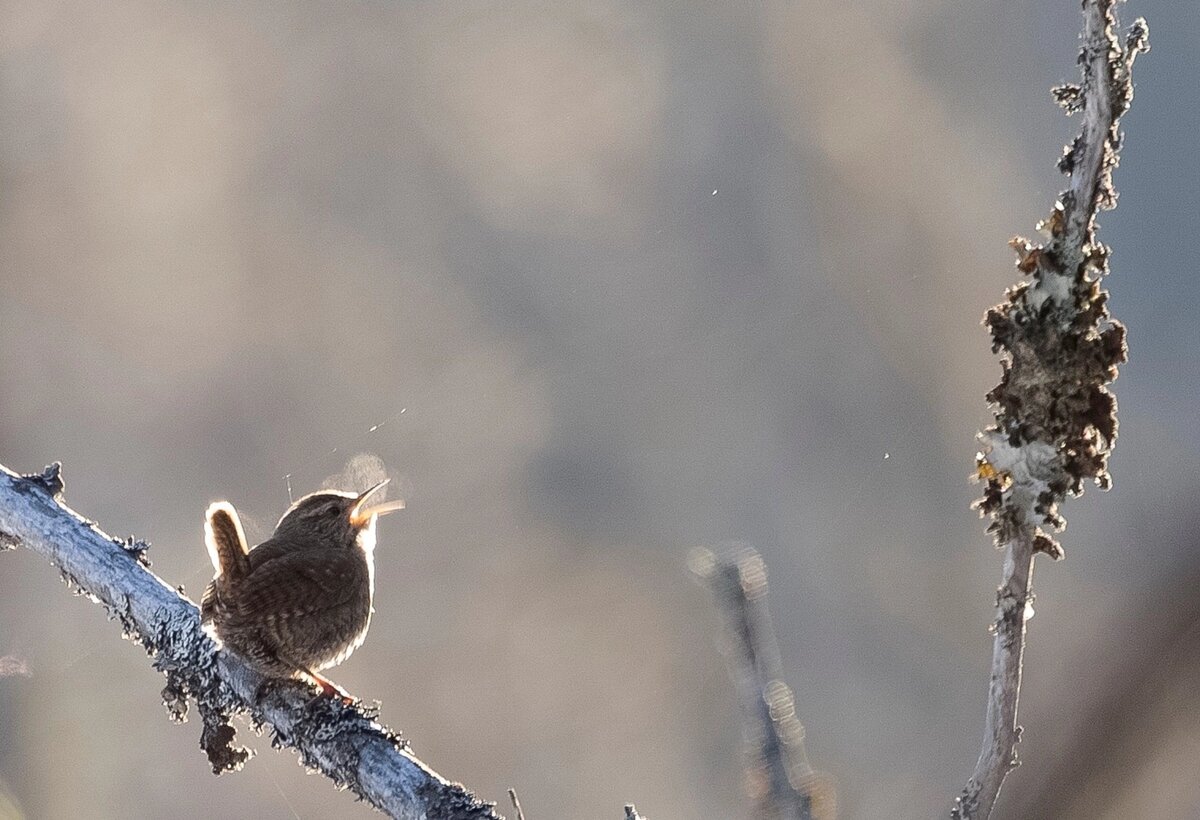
column 1056, row 420
column 516, row 804
column 344, row 742
column 781, row 782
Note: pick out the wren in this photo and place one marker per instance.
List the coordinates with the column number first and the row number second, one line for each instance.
column 300, row 601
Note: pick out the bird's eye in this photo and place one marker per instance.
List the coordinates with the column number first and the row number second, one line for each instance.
column 333, row 511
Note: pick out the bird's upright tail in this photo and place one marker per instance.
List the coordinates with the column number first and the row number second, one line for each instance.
column 226, row 541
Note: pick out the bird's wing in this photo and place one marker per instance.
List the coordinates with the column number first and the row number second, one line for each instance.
column 290, row 581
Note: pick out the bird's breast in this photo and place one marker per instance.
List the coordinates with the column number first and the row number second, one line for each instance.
column 366, row 543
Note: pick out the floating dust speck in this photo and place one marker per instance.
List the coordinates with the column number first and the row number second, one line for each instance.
column 13, row 667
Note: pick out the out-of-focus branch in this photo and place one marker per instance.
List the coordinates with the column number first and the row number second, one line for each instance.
column 1055, row 419
column 344, row 742
column 780, row 780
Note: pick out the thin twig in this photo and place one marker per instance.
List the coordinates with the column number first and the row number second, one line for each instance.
column 1055, row 419
column 516, row 804
column 781, row 782
column 344, row 742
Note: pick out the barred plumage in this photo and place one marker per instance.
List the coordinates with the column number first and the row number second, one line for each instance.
column 300, row 601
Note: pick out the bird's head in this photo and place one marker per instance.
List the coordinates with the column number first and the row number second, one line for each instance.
column 334, row 517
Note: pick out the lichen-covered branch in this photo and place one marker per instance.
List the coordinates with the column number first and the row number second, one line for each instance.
column 1055, row 419
column 344, row 742
column 782, row 784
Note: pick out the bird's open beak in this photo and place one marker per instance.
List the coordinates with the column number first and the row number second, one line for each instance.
column 361, row 514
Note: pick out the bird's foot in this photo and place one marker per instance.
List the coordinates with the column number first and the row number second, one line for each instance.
column 330, row 689
column 269, row 684
column 307, row 679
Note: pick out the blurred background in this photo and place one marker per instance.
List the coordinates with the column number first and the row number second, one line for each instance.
column 596, row 283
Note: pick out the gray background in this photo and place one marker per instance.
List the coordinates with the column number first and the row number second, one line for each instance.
column 599, row 283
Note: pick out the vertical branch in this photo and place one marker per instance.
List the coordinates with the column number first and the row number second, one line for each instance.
column 1055, row 419
column 782, row 783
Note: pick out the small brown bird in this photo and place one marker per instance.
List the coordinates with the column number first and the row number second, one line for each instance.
column 300, row 601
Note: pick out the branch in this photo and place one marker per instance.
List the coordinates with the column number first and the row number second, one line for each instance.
column 1055, row 419
column 782, row 783
column 344, row 742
